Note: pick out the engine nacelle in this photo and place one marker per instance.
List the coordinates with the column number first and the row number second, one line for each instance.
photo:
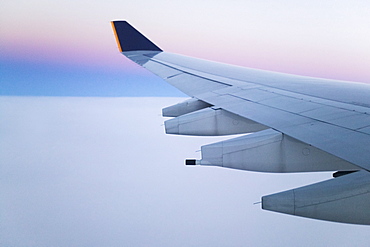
column 185, row 107
column 270, row 151
column 345, row 199
column 211, row 122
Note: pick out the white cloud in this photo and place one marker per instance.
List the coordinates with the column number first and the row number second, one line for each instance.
column 101, row 172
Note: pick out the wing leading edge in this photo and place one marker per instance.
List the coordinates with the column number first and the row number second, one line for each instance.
column 298, row 124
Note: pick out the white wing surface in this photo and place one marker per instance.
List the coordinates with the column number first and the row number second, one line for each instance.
column 298, row 124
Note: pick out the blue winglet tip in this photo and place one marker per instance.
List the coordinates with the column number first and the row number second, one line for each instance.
column 130, row 39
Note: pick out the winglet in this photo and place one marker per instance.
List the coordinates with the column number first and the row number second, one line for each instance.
column 129, row 39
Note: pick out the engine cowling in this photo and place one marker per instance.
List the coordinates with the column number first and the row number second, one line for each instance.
column 211, row 122
column 185, row 107
column 270, row 151
column 344, row 199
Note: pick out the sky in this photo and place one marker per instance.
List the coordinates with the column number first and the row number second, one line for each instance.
column 67, row 47
column 96, row 169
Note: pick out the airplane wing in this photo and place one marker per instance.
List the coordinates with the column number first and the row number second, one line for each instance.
column 295, row 124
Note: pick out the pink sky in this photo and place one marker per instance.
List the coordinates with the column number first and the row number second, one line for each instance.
column 313, row 39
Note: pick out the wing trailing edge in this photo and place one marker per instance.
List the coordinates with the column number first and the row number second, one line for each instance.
column 129, row 39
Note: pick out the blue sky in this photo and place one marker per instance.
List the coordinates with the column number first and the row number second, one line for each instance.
column 24, row 78
column 44, row 42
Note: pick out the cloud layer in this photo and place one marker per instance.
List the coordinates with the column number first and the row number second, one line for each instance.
column 101, row 172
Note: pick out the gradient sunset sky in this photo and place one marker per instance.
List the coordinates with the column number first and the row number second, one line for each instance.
column 67, row 48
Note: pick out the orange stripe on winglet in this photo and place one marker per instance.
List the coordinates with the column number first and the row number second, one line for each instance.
column 115, row 34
